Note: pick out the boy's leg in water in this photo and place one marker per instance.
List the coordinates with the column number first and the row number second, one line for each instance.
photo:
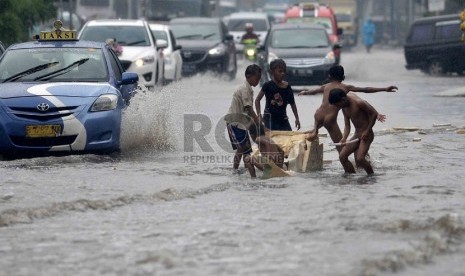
column 361, row 153
column 248, row 162
column 237, row 160
column 346, row 151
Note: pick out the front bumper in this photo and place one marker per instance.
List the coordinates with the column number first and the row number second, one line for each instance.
column 89, row 131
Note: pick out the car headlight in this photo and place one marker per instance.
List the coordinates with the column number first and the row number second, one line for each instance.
column 329, row 58
column 105, row 102
column 271, row 57
column 218, row 50
column 145, row 60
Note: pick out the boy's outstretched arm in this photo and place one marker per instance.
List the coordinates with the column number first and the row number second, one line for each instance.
column 257, row 104
column 311, row 92
column 252, row 114
column 352, row 88
column 296, row 115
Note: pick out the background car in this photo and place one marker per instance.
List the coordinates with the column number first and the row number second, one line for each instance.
column 236, row 25
column 62, row 96
column 171, row 53
column 434, row 45
column 140, row 53
column 305, row 48
column 206, row 45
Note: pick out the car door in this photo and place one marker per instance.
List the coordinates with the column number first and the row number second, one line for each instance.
column 126, row 91
column 176, row 53
column 228, row 40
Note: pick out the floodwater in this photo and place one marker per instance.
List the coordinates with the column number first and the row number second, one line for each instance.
column 169, row 204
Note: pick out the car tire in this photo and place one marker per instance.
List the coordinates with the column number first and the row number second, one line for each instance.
column 436, row 68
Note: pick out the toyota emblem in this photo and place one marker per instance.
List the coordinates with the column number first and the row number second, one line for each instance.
column 187, row 54
column 43, row 107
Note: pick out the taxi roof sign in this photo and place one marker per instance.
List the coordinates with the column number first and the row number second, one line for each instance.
column 58, row 34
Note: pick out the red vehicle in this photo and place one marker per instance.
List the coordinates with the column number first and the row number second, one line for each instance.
column 318, row 14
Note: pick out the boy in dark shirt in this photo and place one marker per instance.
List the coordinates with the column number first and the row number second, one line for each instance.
column 278, row 94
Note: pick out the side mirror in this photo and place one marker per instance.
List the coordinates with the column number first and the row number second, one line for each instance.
column 228, row 37
column 340, row 31
column 261, row 47
column 177, row 47
column 162, row 44
column 129, row 78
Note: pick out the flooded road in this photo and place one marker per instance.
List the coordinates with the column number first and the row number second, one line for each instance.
column 168, row 204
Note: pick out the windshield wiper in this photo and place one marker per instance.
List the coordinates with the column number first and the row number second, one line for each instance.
column 209, row 35
column 62, row 71
column 31, row 71
column 188, row 36
column 136, row 42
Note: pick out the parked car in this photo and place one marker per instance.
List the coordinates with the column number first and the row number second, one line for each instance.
column 434, row 45
column 236, row 24
column 304, row 47
column 140, row 53
column 171, row 51
column 206, row 45
column 59, row 94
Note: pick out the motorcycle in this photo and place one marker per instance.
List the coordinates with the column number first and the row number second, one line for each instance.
column 250, row 49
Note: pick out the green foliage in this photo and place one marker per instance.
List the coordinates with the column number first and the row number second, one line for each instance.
column 18, row 16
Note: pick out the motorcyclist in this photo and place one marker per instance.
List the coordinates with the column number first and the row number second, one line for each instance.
column 249, row 33
column 250, row 41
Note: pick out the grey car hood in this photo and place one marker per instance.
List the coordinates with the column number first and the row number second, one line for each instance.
column 300, row 52
column 197, row 44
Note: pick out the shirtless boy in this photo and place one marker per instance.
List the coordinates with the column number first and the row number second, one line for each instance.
column 363, row 117
column 326, row 114
column 268, row 149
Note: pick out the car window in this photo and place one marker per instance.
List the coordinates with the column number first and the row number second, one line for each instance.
column 54, row 64
column 124, row 35
column 173, row 39
column 449, row 31
column 343, row 17
column 299, row 38
column 196, row 31
column 238, row 24
column 160, row 34
column 323, row 21
column 422, row 33
column 116, row 65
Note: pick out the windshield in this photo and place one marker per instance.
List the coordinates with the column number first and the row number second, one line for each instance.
column 159, row 34
column 299, row 38
column 323, row 21
column 196, row 31
column 57, row 64
column 124, row 35
column 343, row 17
column 238, row 24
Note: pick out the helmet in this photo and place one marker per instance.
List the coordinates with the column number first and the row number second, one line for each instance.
column 249, row 26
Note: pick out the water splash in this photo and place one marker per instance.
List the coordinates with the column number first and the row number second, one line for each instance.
column 145, row 124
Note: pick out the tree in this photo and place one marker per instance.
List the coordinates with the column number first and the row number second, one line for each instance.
column 18, row 16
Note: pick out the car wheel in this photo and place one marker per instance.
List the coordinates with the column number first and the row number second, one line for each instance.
column 436, row 68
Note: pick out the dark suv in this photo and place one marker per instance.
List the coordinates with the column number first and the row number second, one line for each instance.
column 434, row 45
column 206, row 45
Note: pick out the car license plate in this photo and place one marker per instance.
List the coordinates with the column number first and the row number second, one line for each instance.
column 189, row 68
column 38, row 131
column 303, row 72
